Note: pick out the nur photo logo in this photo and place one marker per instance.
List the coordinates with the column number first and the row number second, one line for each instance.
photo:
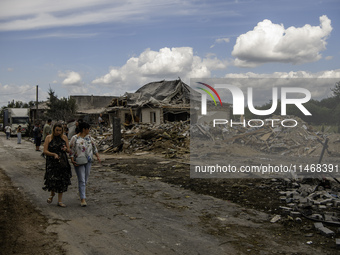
column 289, row 95
column 208, row 92
column 238, row 99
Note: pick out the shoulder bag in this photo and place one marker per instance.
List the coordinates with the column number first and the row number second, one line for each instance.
column 81, row 160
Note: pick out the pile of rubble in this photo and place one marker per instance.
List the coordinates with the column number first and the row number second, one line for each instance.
column 300, row 140
column 317, row 202
column 171, row 138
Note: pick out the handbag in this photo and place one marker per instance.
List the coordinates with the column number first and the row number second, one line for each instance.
column 81, row 160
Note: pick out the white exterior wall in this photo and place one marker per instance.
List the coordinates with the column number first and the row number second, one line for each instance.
column 146, row 115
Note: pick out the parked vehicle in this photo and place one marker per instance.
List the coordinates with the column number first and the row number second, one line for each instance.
column 15, row 117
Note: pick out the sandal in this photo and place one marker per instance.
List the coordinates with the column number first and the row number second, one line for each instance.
column 50, row 199
column 61, row 204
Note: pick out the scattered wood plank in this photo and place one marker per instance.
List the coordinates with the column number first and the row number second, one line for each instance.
column 265, row 137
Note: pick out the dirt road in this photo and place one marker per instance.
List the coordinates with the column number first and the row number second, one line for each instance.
column 128, row 214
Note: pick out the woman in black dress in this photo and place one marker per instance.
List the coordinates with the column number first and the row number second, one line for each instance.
column 58, row 170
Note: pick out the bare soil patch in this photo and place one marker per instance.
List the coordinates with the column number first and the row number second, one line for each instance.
column 22, row 227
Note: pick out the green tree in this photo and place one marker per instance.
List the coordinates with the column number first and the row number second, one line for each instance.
column 15, row 104
column 29, row 104
column 60, row 109
column 19, row 104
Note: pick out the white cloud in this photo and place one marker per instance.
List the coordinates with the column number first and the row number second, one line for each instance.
column 158, row 65
column 269, row 42
column 329, row 57
column 24, row 15
column 220, row 40
column 292, row 74
column 330, row 74
column 73, row 83
column 39, row 14
column 319, row 84
column 71, row 78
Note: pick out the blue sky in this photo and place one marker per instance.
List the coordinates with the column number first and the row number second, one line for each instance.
column 106, row 47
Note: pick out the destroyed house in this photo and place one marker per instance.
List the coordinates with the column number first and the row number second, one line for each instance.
column 155, row 102
column 160, row 102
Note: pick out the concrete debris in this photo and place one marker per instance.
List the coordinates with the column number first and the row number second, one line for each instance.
column 326, row 232
column 320, row 203
column 318, row 225
column 337, row 242
column 171, row 139
column 315, row 203
column 276, row 218
column 271, row 138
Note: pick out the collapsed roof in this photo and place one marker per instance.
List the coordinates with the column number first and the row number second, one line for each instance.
column 159, row 93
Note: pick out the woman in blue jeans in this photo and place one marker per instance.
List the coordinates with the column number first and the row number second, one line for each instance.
column 82, row 151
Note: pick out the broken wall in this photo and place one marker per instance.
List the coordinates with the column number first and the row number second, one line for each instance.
column 92, row 102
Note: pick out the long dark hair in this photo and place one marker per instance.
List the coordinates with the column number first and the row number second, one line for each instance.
column 54, row 127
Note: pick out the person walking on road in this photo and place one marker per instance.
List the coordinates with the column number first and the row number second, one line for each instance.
column 58, row 170
column 19, row 134
column 37, row 136
column 82, row 150
column 8, row 130
column 47, row 129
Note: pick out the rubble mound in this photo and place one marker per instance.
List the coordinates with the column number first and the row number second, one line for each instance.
column 173, row 139
column 299, row 140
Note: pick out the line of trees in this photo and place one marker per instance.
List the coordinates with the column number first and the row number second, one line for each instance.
column 325, row 111
column 59, row 109
column 19, row 104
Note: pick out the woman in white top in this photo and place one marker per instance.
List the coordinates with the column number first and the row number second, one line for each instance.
column 83, row 149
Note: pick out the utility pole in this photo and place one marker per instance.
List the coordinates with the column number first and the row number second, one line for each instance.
column 36, row 103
